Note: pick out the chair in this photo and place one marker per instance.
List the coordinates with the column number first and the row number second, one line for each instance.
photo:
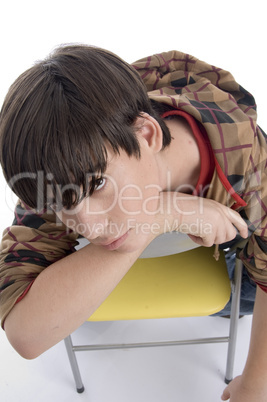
column 190, row 283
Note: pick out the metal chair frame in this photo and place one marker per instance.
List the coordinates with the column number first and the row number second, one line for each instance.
column 231, row 338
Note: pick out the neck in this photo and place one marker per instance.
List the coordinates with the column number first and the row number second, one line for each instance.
column 181, row 159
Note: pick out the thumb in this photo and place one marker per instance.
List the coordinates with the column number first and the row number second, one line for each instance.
column 202, row 241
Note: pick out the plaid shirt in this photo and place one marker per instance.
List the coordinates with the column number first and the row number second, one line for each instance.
column 227, row 112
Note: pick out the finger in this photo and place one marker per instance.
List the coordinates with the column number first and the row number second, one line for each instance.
column 201, row 241
column 242, row 229
column 227, row 233
column 225, row 395
column 239, row 223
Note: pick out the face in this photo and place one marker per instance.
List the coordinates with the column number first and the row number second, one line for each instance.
column 120, row 213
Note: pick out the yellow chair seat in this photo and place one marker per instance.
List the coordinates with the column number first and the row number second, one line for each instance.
column 187, row 284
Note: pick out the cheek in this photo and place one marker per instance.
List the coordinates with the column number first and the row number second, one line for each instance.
column 152, row 200
column 137, row 203
column 70, row 221
column 75, row 219
column 136, row 200
column 130, row 199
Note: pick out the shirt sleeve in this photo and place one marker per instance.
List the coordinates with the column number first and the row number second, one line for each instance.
column 31, row 244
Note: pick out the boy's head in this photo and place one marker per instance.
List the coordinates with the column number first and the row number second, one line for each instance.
column 60, row 116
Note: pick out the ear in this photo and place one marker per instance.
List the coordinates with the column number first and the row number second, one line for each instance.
column 148, row 130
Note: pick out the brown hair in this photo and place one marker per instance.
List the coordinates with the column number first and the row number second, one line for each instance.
column 59, row 116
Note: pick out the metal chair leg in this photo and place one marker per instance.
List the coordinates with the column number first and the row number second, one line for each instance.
column 74, row 364
column 235, row 308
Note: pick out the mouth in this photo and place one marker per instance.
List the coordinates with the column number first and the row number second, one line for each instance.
column 115, row 244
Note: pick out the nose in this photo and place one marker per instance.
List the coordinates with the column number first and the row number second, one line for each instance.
column 88, row 224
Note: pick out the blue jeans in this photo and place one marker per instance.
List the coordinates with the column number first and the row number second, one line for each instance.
column 248, row 290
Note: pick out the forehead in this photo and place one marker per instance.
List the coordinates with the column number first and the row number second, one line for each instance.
column 120, row 161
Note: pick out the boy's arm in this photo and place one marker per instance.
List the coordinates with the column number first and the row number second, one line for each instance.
column 252, row 384
column 28, row 246
column 69, row 290
column 63, row 296
column 46, row 289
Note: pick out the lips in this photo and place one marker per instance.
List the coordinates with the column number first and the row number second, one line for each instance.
column 114, row 244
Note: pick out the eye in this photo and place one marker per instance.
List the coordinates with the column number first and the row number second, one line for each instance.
column 100, row 183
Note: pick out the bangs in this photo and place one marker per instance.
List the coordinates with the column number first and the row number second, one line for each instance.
column 62, row 179
column 72, row 154
column 75, row 154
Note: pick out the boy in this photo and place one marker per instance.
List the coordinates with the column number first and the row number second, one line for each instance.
column 90, row 150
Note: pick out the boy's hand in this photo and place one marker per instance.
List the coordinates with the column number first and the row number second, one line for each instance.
column 206, row 222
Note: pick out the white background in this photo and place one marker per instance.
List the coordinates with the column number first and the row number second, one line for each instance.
column 228, row 34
